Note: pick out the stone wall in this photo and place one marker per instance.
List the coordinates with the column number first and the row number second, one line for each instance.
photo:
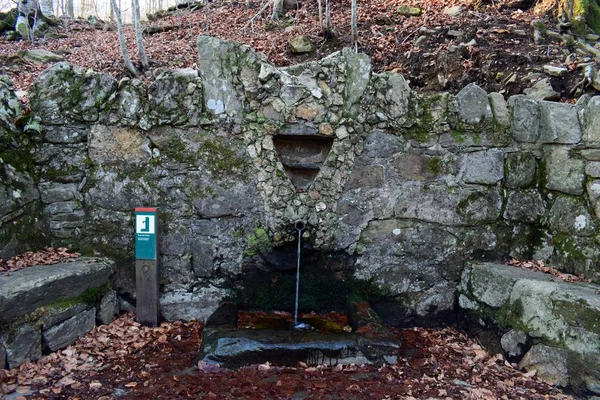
column 410, row 186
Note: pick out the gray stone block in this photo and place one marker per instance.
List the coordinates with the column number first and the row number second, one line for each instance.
column 53, row 192
column 57, row 315
column 520, row 170
column 30, row 288
column 514, row 342
column 564, row 173
column 473, row 104
column 593, row 169
column 524, row 206
column 203, row 254
column 499, row 109
column 108, row 308
column 24, row 343
column 66, row 333
column 214, row 66
column 381, row 145
column 591, row 122
column 550, row 364
column 559, row 123
column 448, row 206
column 484, row 167
column 187, row 306
column 526, row 122
column 570, row 216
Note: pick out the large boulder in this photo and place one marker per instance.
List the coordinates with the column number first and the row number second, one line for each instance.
column 65, row 94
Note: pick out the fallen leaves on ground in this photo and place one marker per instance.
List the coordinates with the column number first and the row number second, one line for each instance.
column 128, row 361
column 48, row 256
column 538, row 265
column 491, row 45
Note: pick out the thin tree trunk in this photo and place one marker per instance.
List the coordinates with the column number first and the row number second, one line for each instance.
column 353, row 27
column 320, row 3
column 70, row 9
column 122, row 43
column 277, row 9
column 207, row 14
column 139, row 40
column 328, row 15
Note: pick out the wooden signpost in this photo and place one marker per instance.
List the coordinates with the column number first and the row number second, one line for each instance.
column 146, row 265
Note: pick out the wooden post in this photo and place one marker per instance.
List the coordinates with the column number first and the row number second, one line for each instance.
column 146, row 265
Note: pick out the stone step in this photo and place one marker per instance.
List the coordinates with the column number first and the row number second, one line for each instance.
column 26, row 290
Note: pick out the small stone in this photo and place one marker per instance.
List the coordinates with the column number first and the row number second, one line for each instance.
column 41, row 57
column 592, row 37
column 453, row 11
column 301, row 44
column 307, row 112
column 470, row 43
column 420, row 40
column 409, row 11
column 326, row 129
column 542, row 90
column 513, row 343
column 555, row 71
column 454, row 33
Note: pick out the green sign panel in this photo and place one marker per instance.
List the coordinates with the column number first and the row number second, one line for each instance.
column 145, row 233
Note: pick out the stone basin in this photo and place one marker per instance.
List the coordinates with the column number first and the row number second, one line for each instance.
column 225, row 344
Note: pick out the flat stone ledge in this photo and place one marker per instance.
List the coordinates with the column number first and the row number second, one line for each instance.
column 26, row 290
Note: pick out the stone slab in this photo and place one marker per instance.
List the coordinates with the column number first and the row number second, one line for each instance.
column 66, row 333
column 28, row 289
column 24, row 343
column 235, row 348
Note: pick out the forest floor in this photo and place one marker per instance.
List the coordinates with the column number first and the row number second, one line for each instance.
column 489, row 43
column 124, row 360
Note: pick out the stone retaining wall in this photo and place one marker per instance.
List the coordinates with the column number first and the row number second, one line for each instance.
column 411, row 186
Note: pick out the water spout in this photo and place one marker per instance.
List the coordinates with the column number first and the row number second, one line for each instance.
column 300, row 226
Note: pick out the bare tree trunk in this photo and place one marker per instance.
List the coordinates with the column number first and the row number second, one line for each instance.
column 207, row 14
column 277, row 9
column 112, row 12
column 70, row 9
column 139, row 41
column 328, row 15
column 122, row 43
column 353, row 27
column 320, row 3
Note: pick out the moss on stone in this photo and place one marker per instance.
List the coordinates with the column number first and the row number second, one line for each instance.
column 435, row 165
column 259, row 242
column 222, row 160
column 578, row 313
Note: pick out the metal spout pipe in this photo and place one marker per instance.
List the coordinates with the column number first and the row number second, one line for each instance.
column 300, row 226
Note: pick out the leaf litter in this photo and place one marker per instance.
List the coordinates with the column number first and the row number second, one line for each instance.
column 130, row 361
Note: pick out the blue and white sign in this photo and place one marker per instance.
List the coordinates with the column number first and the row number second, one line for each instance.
column 145, row 233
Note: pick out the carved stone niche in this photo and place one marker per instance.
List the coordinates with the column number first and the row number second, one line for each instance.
column 302, row 151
